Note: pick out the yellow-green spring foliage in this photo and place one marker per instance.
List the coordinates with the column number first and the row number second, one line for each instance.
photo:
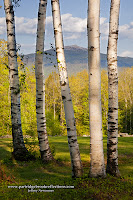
column 55, row 116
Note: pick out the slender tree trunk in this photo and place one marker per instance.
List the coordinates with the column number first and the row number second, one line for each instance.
column 18, row 142
column 61, row 116
column 131, row 105
column 125, row 97
column 96, row 138
column 65, row 92
column 9, row 96
column 131, row 102
column 54, row 102
column 40, row 85
column 112, row 141
column 126, row 115
column 54, row 94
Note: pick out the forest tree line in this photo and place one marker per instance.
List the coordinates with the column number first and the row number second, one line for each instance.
column 54, row 106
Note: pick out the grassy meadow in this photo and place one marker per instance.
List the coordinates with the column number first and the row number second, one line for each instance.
column 34, row 173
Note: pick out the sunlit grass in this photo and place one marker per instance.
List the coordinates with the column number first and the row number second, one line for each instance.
column 59, row 173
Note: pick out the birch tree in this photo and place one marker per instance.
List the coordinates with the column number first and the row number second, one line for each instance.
column 40, row 85
column 19, row 149
column 65, row 92
column 112, row 141
column 97, row 167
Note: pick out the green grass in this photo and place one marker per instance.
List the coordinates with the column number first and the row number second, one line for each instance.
column 35, row 173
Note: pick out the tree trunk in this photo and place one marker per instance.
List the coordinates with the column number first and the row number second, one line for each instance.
column 54, row 102
column 9, row 96
column 61, row 113
column 112, row 141
column 40, row 85
column 131, row 105
column 97, row 167
column 131, row 102
column 125, row 97
column 19, row 149
column 65, row 92
column 126, row 115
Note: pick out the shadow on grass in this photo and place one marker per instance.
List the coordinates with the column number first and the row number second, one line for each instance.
column 62, row 168
column 4, row 153
column 28, row 171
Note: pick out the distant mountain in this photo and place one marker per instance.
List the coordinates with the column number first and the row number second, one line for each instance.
column 76, row 59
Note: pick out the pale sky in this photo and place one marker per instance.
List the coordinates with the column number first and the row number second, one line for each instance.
column 74, row 23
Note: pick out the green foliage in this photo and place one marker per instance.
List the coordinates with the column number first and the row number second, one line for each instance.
column 53, row 125
column 39, row 52
column 54, row 104
column 28, row 104
column 79, row 91
column 5, row 111
column 79, row 83
column 104, row 100
column 126, row 100
column 16, row 173
column 58, row 61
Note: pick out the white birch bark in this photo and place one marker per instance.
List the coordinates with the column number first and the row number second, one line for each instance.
column 18, row 142
column 97, row 167
column 112, row 142
column 40, row 85
column 65, row 92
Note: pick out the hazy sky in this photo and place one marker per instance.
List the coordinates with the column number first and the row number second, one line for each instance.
column 74, row 22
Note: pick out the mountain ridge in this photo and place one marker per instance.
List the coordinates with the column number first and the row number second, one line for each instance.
column 76, row 59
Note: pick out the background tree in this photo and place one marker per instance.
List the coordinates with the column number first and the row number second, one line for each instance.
column 104, row 100
column 5, row 105
column 112, row 141
column 57, row 126
column 79, row 91
column 96, row 139
column 55, row 113
column 19, row 149
column 125, row 100
column 28, row 103
column 65, row 92
column 40, row 85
